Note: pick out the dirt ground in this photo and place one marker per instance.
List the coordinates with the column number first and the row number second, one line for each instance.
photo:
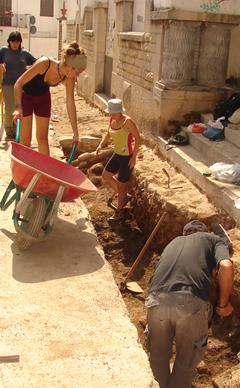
column 122, row 242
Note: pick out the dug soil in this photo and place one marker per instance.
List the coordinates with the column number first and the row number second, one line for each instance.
column 123, row 241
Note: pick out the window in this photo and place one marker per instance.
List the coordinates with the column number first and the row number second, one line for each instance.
column 46, row 8
column 88, row 18
column 6, row 12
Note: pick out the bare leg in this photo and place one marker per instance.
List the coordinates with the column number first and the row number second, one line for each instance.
column 122, row 194
column 26, row 131
column 111, row 180
column 42, row 124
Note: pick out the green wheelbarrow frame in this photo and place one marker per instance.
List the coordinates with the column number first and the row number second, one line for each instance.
column 33, row 213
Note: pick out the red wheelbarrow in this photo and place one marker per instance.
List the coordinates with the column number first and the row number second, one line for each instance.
column 40, row 183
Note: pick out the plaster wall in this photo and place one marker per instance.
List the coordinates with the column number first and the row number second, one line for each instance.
column 44, row 24
column 86, row 82
column 138, row 102
column 83, row 5
column 72, row 8
column 39, row 46
column 234, row 54
column 111, row 24
column 138, row 15
column 45, row 40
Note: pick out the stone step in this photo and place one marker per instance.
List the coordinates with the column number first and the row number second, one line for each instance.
column 233, row 136
column 101, row 100
column 193, row 163
column 215, row 151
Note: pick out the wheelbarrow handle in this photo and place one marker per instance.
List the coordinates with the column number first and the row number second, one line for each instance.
column 74, row 147
column 18, row 130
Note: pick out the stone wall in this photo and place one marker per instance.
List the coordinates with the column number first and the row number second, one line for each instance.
column 179, row 64
column 86, row 79
column 71, row 32
column 136, row 59
column 87, row 43
column 94, row 42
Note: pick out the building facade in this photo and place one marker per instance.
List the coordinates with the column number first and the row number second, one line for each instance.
column 164, row 58
column 38, row 21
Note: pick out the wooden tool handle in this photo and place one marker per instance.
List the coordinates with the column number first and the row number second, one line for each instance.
column 12, row 358
column 145, row 247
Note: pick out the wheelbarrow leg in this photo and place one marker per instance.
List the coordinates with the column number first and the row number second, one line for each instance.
column 4, row 204
column 27, row 191
column 53, row 212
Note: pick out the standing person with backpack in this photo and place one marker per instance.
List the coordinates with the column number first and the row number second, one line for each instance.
column 15, row 61
column 178, row 302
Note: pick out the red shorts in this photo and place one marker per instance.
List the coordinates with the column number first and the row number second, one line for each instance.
column 39, row 105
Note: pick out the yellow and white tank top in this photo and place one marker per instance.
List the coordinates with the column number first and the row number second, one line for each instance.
column 122, row 139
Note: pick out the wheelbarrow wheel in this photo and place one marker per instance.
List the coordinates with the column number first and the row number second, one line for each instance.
column 35, row 215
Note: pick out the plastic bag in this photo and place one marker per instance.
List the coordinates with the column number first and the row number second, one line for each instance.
column 229, row 173
column 217, row 123
column 196, row 128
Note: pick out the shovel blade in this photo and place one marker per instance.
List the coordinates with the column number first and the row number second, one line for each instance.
column 134, row 287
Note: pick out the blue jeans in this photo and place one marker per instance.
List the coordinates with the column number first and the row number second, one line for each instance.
column 183, row 317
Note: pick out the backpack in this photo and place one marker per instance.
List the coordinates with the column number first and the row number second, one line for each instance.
column 215, row 129
column 214, row 133
column 227, row 106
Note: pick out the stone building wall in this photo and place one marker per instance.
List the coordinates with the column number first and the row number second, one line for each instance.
column 177, row 65
column 87, row 43
column 71, row 32
column 86, row 80
column 135, row 61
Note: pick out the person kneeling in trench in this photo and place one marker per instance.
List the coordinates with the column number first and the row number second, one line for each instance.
column 126, row 140
column 178, row 302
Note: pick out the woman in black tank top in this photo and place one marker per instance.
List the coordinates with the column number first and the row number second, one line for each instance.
column 31, row 92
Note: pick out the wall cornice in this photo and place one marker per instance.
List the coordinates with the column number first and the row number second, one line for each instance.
column 173, row 14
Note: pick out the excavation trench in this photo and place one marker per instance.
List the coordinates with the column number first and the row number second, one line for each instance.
column 122, row 242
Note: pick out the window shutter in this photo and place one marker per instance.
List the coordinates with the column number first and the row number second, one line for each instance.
column 46, row 8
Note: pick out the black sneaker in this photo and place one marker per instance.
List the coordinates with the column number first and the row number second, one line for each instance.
column 219, row 230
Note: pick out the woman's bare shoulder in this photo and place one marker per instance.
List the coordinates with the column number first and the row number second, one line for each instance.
column 128, row 121
column 42, row 62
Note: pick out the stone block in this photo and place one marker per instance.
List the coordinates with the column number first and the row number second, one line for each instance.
column 87, row 144
column 173, row 104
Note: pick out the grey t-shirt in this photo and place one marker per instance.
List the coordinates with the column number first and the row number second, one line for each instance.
column 15, row 63
column 189, row 261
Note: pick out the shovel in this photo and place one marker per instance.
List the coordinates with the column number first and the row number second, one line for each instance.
column 133, row 286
